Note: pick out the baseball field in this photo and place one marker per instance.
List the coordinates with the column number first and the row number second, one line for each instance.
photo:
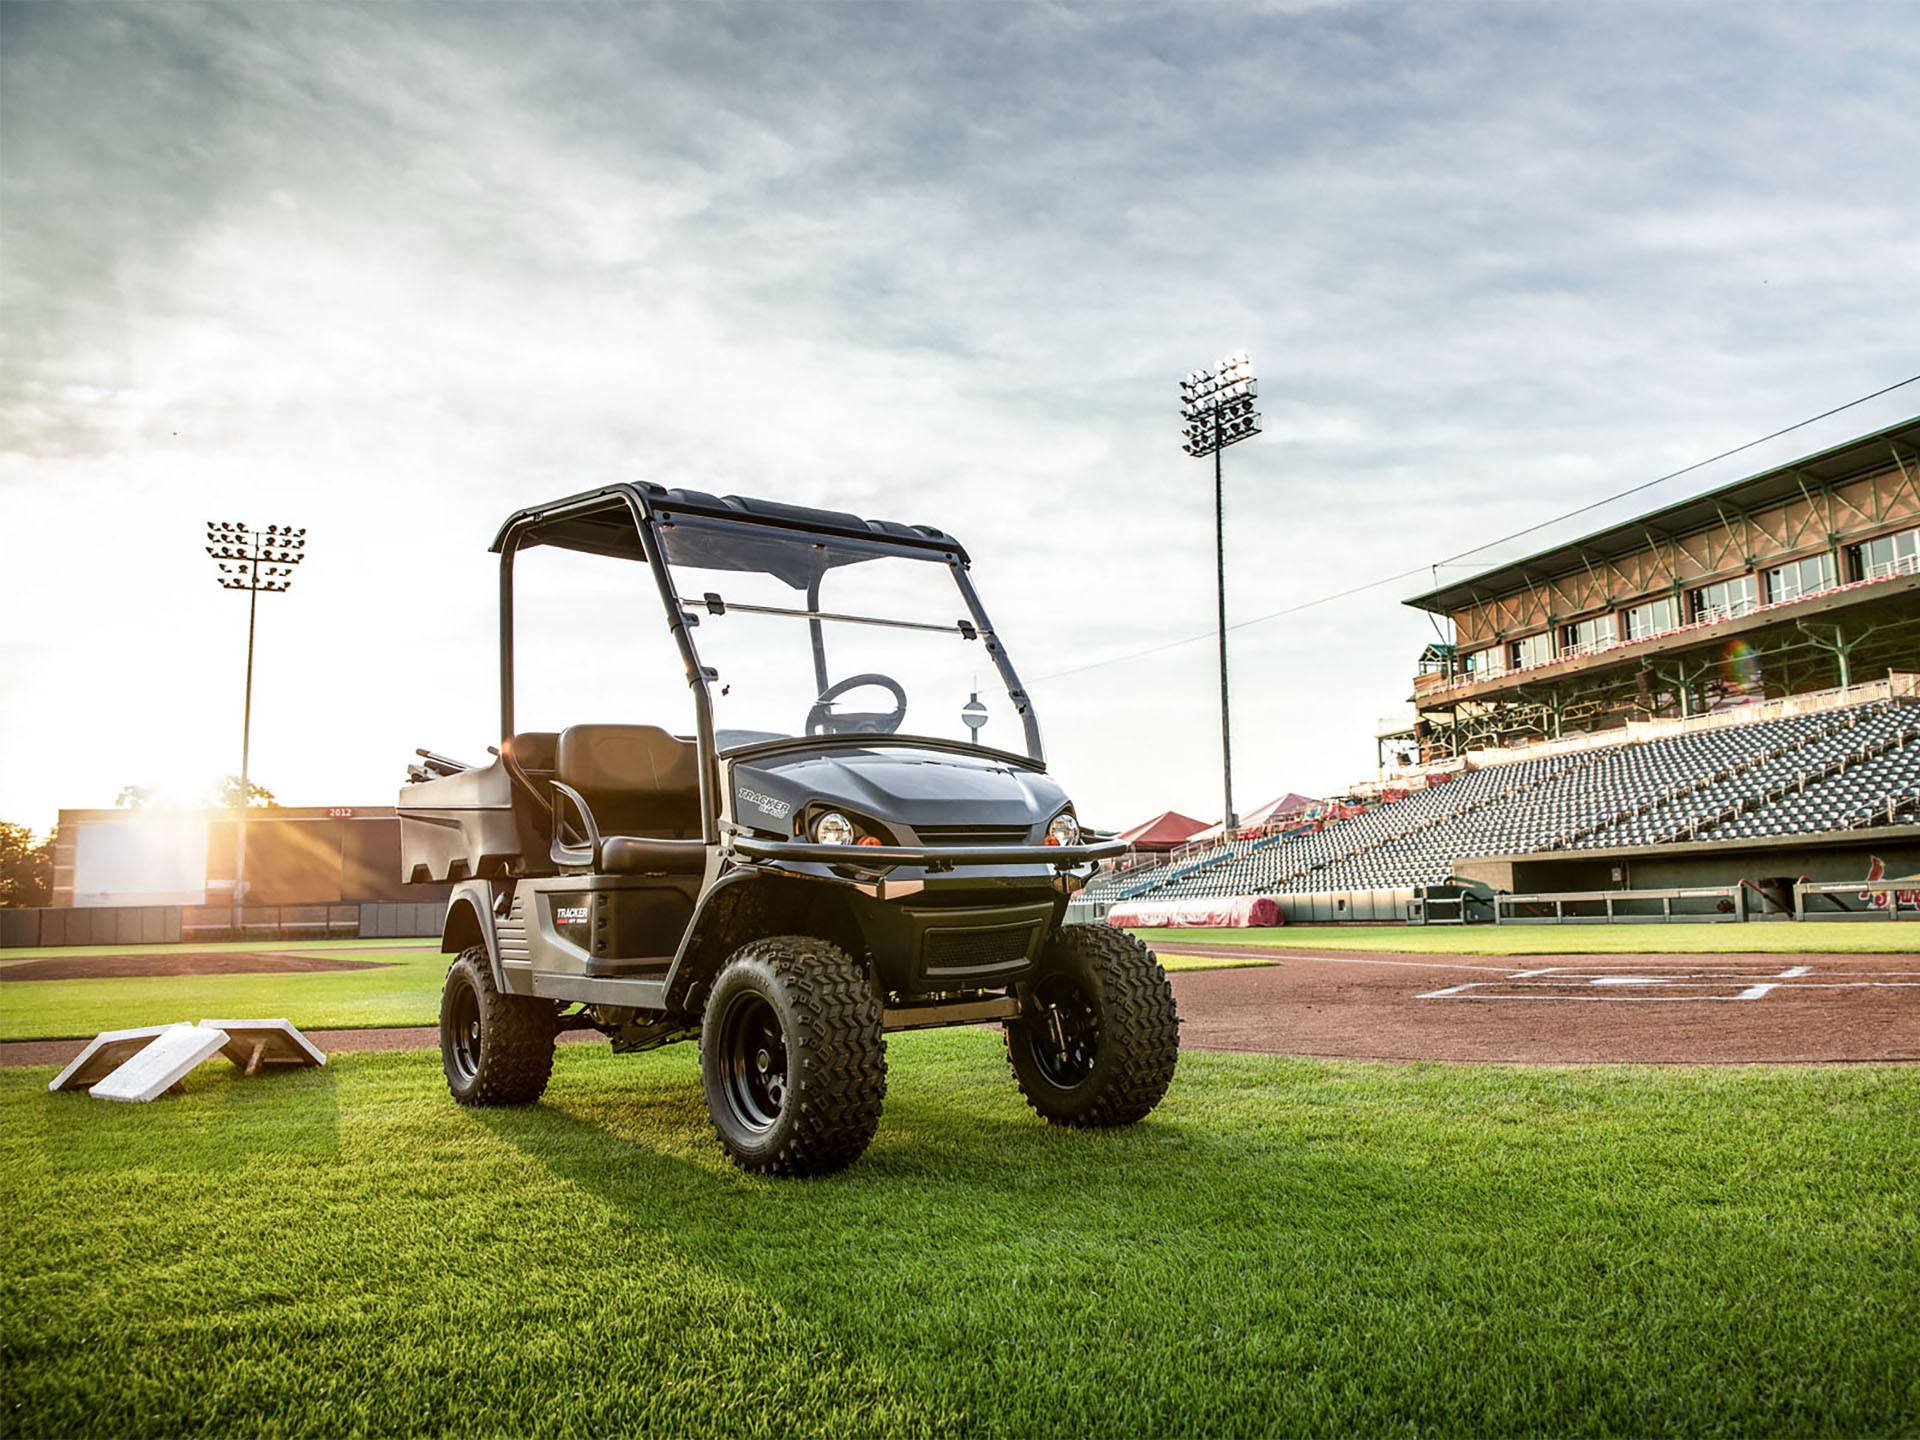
column 1290, row 1243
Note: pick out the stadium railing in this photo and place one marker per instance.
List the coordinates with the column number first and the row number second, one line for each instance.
column 1856, row 900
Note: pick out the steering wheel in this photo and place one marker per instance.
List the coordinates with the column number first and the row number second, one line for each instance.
column 822, row 721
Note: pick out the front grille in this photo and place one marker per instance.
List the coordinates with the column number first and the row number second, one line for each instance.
column 986, row 949
column 972, row 834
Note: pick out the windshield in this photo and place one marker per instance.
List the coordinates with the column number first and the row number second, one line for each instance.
column 811, row 635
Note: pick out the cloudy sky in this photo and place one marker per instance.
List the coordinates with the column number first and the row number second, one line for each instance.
column 389, row 272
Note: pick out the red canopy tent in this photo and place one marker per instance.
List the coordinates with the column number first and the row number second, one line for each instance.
column 1274, row 812
column 1164, row 831
column 1285, row 808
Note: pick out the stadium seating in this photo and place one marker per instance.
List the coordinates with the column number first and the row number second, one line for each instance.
column 1802, row 774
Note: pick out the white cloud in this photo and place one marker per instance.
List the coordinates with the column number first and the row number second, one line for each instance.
column 390, row 272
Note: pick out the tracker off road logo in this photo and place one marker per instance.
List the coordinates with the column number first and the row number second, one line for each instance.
column 1881, row 899
column 766, row 804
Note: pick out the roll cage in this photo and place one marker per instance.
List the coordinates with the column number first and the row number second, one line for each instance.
column 627, row 520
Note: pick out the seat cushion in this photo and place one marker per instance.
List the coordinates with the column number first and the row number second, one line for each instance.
column 639, row 779
column 639, row 855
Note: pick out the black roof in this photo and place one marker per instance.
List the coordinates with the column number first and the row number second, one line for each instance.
column 1859, row 456
column 599, row 522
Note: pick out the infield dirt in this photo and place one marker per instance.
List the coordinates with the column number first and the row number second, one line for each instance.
column 1558, row 1009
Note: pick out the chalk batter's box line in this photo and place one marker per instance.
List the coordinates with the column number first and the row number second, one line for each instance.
column 1679, row 968
column 1638, row 988
column 1801, row 975
column 1660, row 989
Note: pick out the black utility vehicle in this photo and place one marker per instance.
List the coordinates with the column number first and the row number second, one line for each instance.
column 797, row 878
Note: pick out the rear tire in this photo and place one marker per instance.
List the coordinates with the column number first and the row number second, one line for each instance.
column 792, row 1057
column 496, row 1049
column 1098, row 1040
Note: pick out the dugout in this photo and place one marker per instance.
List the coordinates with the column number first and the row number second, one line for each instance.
column 1771, row 864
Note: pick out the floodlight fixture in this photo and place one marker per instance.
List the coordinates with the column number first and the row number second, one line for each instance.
column 1217, row 405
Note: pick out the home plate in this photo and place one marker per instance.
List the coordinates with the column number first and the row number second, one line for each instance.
column 1627, row 980
column 163, row 1064
column 253, row 1043
column 104, row 1054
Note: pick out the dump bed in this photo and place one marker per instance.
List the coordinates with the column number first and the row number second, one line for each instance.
column 456, row 827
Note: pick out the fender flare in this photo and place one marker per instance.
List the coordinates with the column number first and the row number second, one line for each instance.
column 681, row 974
column 469, row 921
column 696, row 960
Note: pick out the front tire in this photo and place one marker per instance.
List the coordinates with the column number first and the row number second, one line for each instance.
column 496, row 1049
column 792, row 1057
column 1099, row 1036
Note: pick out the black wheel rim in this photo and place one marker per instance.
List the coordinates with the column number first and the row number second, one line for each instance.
column 753, row 1062
column 1066, row 1031
column 463, row 1030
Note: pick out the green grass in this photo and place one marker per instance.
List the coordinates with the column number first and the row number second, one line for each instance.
column 1284, row 1246
column 404, row 991
column 1860, row 937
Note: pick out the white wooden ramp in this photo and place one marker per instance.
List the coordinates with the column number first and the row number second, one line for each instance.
column 105, row 1053
column 163, row 1064
column 252, row 1044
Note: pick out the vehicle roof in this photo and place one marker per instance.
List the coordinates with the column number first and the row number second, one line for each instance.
column 598, row 522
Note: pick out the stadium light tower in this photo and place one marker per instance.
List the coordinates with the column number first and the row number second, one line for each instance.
column 252, row 560
column 1217, row 406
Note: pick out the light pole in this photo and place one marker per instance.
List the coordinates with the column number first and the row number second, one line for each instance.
column 252, row 560
column 1217, row 406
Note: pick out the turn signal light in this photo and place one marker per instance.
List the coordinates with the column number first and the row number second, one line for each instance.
column 868, row 840
column 1051, row 840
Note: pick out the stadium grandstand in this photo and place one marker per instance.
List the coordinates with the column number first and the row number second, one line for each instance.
column 1721, row 692
column 1802, row 577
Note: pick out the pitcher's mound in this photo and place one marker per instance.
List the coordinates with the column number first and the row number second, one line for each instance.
column 189, row 962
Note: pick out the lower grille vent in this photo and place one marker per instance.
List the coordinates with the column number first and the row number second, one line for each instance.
column 965, row 950
column 972, row 834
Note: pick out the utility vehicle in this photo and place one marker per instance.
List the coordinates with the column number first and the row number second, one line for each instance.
column 795, row 878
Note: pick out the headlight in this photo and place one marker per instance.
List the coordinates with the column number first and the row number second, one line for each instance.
column 1064, row 830
column 833, row 828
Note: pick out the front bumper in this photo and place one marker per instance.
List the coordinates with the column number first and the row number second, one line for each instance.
column 931, row 857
